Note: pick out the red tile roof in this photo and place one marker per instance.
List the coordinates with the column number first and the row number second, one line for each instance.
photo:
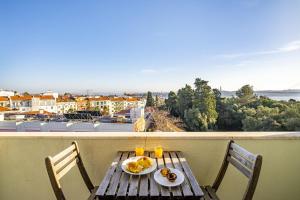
column 47, row 97
column 21, row 98
column 4, row 99
column 4, row 109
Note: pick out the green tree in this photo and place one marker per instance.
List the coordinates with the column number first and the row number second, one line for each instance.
column 185, row 99
column 156, row 100
column 172, row 104
column 245, row 94
column 105, row 110
column 205, row 101
column 150, row 100
column 26, row 94
column 195, row 120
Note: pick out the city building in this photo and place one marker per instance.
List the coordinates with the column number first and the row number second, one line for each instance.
column 82, row 103
column 21, row 103
column 4, row 101
column 101, row 104
column 44, row 102
column 65, row 104
column 6, row 93
column 118, row 104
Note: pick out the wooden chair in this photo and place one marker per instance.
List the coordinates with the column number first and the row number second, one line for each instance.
column 62, row 163
column 246, row 162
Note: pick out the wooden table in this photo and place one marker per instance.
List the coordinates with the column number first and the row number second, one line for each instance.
column 120, row 185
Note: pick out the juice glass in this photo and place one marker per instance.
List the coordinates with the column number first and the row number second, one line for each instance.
column 158, row 151
column 139, row 151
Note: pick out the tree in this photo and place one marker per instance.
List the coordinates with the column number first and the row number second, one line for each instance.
column 156, row 100
column 105, row 110
column 185, row 99
column 195, row 120
column 172, row 104
column 245, row 94
column 150, row 100
column 205, row 101
column 26, row 94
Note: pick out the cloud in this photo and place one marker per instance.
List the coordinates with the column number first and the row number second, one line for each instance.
column 289, row 47
column 292, row 46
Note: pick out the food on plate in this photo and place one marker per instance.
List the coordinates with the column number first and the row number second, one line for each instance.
column 134, row 167
column 171, row 177
column 139, row 165
column 165, row 171
column 145, row 162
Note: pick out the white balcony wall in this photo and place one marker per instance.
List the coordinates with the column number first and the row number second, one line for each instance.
column 23, row 174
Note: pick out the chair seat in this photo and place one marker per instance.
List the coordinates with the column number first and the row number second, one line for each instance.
column 209, row 193
column 93, row 194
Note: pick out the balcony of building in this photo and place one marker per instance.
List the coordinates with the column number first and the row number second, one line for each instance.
column 23, row 174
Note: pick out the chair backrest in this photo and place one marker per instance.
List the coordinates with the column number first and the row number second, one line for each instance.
column 247, row 163
column 58, row 166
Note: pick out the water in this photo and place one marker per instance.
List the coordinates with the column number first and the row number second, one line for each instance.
column 276, row 95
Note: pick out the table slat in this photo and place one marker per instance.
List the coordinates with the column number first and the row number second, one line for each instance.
column 186, row 189
column 154, row 187
column 164, row 190
column 194, row 184
column 175, row 190
column 143, row 189
column 133, row 183
column 114, row 183
column 124, row 182
column 105, row 183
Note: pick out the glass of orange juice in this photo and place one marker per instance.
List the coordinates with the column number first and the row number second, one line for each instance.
column 139, row 151
column 158, row 151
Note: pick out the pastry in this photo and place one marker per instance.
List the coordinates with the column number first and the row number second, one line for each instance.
column 165, row 171
column 171, row 177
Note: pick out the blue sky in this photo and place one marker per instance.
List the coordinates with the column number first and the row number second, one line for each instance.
column 140, row 45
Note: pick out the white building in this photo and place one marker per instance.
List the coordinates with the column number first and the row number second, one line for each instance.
column 21, row 103
column 65, row 105
column 50, row 93
column 4, row 102
column 45, row 102
column 136, row 113
column 6, row 93
column 101, row 103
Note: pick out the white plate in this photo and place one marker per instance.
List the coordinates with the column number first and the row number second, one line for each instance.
column 133, row 159
column 160, row 179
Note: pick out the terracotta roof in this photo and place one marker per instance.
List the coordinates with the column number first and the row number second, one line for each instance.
column 21, row 98
column 4, row 99
column 99, row 99
column 4, row 109
column 117, row 99
column 47, row 97
column 132, row 99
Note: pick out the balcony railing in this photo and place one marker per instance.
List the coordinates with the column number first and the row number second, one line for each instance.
column 23, row 174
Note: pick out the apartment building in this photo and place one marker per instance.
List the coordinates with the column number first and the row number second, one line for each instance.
column 21, row 103
column 65, row 104
column 4, row 101
column 82, row 103
column 6, row 93
column 101, row 103
column 118, row 104
column 44, row 102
